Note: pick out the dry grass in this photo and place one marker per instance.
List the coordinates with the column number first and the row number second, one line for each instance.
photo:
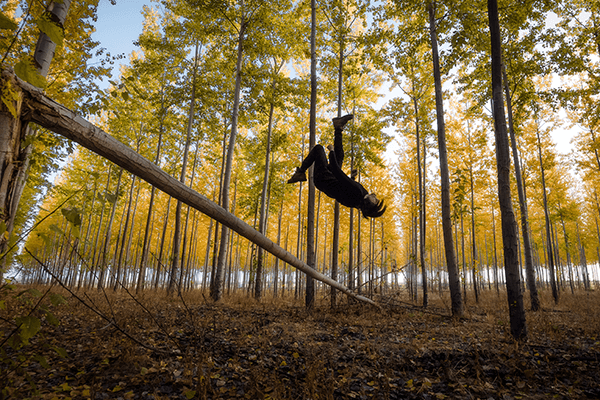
column 241, row 348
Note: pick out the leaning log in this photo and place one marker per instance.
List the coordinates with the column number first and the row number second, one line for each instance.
column 49, row 114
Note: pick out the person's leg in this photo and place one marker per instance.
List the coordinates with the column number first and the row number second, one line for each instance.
column 338, row 126
column 316, row 156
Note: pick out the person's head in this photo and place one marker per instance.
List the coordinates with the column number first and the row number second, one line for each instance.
column 371, row 207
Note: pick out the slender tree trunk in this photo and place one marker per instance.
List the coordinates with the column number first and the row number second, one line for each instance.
column 453, row 275
column 549, row 246
column 176, row 258
column 263, row 198
column 276, row 279
column 217, row 281
column 310, row 223
column 103, row 265
column 569, row 266
column 162, row 245
column 147, row 231
column 509, row 232
column 124, row 237
column 421, row 200
column 529, row 268
column 582, row 260
column 85, row 240
column 93, row 261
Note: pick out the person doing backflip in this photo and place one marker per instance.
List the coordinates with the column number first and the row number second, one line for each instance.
column 331, row 180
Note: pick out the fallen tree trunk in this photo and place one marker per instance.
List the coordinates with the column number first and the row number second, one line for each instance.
column 47, row 113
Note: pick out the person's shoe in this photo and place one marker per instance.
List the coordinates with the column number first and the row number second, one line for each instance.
column 340, row 122
column 299, row 176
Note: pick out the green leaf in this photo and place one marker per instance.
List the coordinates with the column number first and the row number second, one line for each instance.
column 7, row 22
column 190, row 394
column 72, row 214
column 53, row 29
column 42, row 361
column 26, row 70
column 57, row 299
column 52, row 319
column 111, row 198
column 60, row 351
column 30, row 326
column 56, row 229
column 34, row 292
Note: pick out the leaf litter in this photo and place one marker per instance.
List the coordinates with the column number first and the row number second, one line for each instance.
column 240, row 348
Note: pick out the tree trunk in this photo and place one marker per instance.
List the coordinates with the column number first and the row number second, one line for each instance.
column 549, row 246
column 217, row 281
column 162, row 245
column 310, row 217
column 530, row 271
column 106, row 245
column 147, row 231
column 421, row 202
column 453, row 275
column 175, row 259
column 124, row 237
column 262, row 221
column 509, row 232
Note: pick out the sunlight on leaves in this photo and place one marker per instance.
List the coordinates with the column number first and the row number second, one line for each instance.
column 7, row 23
column 53, row 29
column 9, row 96
column 26, row 70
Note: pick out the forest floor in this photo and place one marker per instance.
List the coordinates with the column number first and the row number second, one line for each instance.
column 155, row 347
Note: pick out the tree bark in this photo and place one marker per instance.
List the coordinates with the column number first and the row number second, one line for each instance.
column 310, row 217
column 530, row 271
column 262, row 220
column 217, row 281
column 175, row 258
column 453, row 275
column 551, row 264
column 518, row 325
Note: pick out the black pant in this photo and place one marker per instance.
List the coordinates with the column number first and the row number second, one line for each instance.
column 318, row 157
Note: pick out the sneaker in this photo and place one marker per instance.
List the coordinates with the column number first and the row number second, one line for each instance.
column 340, row 122
column 299, row 176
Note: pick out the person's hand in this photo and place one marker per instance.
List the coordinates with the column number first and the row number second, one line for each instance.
column 330, row 147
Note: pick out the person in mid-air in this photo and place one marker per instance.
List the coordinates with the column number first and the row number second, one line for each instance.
column 331, row 180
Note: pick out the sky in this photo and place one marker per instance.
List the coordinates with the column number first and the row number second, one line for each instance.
column 118, row 27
